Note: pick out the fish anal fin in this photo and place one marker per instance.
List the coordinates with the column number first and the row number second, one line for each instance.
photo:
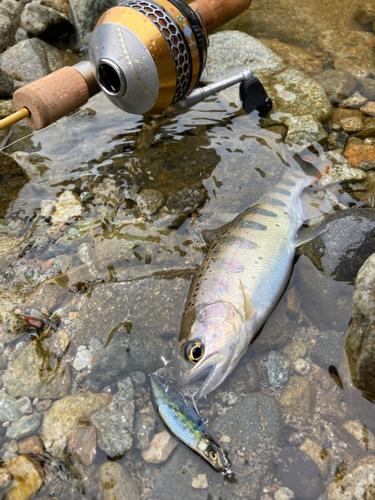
column 248, row 305
column 210, row 234
column 312, row 207
column 306, row 234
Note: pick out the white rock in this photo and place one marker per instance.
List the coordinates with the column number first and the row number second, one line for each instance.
column 46, row 207
column 341, row 173
column 68, row 205
column 284, row 493
column 301, row 366
column 200, row 482
column 160, row 448
column 82, row 360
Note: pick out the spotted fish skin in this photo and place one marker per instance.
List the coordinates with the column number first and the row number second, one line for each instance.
column 186, row 425
column 240, row 281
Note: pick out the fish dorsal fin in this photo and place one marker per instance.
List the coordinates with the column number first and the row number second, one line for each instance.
column 306, row 234
column 248, row 305
column 312, row 207
column 210, row 234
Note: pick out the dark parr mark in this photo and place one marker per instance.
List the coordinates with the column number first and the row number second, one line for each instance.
column 250, row 224
column 278, row 203
column 261, row 211
column 281, row 191
column 239, row 242
column 288, row 182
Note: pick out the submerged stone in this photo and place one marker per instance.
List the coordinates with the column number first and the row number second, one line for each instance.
column 355, row 482
column 27, row 475
column 160, row 448
column 295, row 57
column 116, row 482
column 25, row 426
column 278, row 366
column 303, row 131
column 11, row 326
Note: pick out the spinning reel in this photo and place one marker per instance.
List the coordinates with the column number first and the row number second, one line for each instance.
column 144, row 55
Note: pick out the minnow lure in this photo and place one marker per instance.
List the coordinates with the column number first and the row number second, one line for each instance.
column 243, row 276
column 186, row 425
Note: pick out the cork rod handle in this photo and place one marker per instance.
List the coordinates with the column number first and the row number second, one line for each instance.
column 215, row 13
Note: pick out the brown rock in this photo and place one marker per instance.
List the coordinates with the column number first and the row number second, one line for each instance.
column 298, row 399
column 5, row 478
column 295, row 57
column 323, row 378
column 296, row 350
column 160, row 448
column 355, row 482
column 116, row 483
column 293, row 302
column 11, row 326
column 82, row 443
column 27, row 478
column 357, row 152
column 352, row 124
column 330, row 410
column 369, row 108
column 32, row 445
column 318, row 454
column 59, row 5
column 360, row 438
column 342, row 113
column 43, row 404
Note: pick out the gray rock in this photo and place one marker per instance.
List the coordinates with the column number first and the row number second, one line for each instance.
column 366, row 87
column 338, row 85
column 21, row 35
column 84, row 15
column 187, row 200
column 278, row 367
column 11, row 327
column 23, row 406
column 258, row 444
column 327, row 349
column 9, row 450
column 37, row 18
column 32, row 59
column 10, row 12
column 13, row 179
column 354, row 483
column 8, row 410
column 360, row 341
column 25, row 426
column 298, row 401
column 149, row 201
column 335, row 42
column 299, row 473
column 144, row 427
column 303, row 131
column 116, row 483
column 356, row 58
column 6, row 84
column 294, row 93
column 342, row 174
column 114, row 422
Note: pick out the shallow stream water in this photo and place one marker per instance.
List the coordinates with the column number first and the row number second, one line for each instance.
column 110, row 284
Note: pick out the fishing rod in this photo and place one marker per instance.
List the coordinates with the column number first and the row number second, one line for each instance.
column 144, row 56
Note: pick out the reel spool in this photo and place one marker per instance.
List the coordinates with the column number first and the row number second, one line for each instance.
column 144, row 55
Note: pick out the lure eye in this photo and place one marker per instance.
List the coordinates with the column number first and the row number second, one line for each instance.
column 193, row 351
column 213, row 455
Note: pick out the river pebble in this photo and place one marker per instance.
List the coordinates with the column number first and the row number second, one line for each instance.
column 293, row 302
column 59, row 420
column 9, row 450
column 296, row 350
column 353, row 124
column 298, row 400
column 295, row 57
column 23, row 405
column 301, row 366
column 354, row 483
column 318, row 454
column 354, row 101
column 68, row 205
column 284, row 493
column 160, row 448
column 5, row 478
column 303, row 131
column 114, row 422
column 32, row 445
column 342, row 174
column 11, row 326
column 6, row 84
column 8, row 412
column 329, row 406
column 360, row 438
column 149, row 201
column 25, row 426
column 200, row 482
column 278, row 367
column 299, row 473
column 116, row 483
column 82, row 359
column 82, row 443
column 338, row 85
column 187, row 200
column 37, row 18
column 27, row 477
column 369, row 108
column 144, row 426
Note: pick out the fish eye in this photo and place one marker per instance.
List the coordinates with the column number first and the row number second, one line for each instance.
column 194, row 351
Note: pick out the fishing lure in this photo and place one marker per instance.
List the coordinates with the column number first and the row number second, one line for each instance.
column 186, row 425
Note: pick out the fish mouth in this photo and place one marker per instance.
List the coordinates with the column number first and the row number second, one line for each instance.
column 214, row 368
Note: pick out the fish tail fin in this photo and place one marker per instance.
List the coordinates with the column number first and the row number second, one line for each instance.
column 314, row 166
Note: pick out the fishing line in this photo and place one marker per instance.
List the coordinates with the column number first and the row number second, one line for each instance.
column 61, row 121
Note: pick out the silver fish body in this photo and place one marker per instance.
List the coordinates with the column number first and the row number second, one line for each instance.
column 240, row 281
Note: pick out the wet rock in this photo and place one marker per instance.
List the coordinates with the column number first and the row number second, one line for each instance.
column 326, row 351
column 301, row 366
column 27, row 478
column 11, row 327
column 59, row 5
column 160, row 448
column 114, row 422
column 299, row 473
column 342, row 174
column 354, row 483
column 329, row 407
column 43, row 404
column 303, row 131
column 338, row 85
column 296, row 350
column 13, row 178
column 82, row 443
column 366, row 87
column 32, row 59
column 356, row 58
column 230, row 51
column 284, row 493
column 323, row 378
column 84, row 16
column 5, row 478
column 187, row 200
column 369, row 108
column 200, row 482
column 144, row 426
column 9, row 450
column 6, row 109
column 360, row 438
column 334, row 42
column 68, row 205
column 60, row 419
column 149, row 201
column 25, row 426
column 352, row 124
column 278, row 366
column 293, row 303
column 82, row 360
column 251, row 448
column 10, row 11
column 365, row 15
column 364, row 191
column 340, row 114
column 355, row 101
column 136, row 344
column 360, row 340
column 116, row 483
column 8, row 412
column 245, row 378
column 318, row 454
column 37, row 18
column 294, row 93
column 295, row 57
column 6, row 84
column 32, row 445
column 298, row 399
column 32, row 375
column 300, row 27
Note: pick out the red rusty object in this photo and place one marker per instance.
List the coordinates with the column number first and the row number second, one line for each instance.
column 34, row 322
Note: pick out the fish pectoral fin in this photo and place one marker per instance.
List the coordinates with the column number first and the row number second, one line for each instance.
column 312, row 207
column 249, row 307
column 306, row 234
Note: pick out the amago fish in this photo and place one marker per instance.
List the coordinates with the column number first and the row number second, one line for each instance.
column 186, row 425
column 243, row 276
